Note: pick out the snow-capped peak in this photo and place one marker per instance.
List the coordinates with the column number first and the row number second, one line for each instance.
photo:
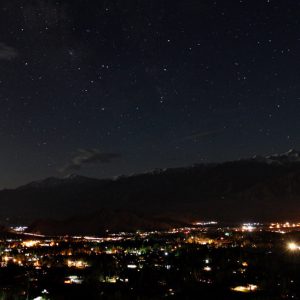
column 287, row 157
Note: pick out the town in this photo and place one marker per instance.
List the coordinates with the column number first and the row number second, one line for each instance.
column 216, row 261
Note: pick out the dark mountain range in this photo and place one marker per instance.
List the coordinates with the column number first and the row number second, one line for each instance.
column 104, row 221
column 261, row 188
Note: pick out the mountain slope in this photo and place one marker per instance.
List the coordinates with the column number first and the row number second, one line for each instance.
column 239, row 190
column 102, row 221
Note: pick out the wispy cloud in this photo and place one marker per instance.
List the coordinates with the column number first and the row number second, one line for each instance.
column 7, row 52
column 89, row 157
column 204, row 134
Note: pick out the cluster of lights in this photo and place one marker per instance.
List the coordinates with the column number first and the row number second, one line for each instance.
column 30, row 243
column 245, row 289
column 79, row 264
column 110, row 279
column 74, row 279
column 250, row 226
column 247, row 227
column 19, row 229
column 200, row 240
column 206, row 223
column 284, row 225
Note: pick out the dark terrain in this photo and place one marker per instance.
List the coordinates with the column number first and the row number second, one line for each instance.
column 229, row 191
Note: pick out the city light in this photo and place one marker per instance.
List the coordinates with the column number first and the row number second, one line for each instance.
column 30, row 243
column 131, row 266
column 245, row 289
column 206, row 223
column 77, row 253
column 73, row 280
column 249, row 227
column 79, row 264
column 292, row 246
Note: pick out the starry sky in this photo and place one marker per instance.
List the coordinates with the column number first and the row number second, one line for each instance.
column 109, row 87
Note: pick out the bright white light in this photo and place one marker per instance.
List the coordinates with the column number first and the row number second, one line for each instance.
column 293, row 246
column 247, row 227
column 131, row 266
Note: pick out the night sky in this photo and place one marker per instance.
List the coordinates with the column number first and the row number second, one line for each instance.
column 104, row 88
